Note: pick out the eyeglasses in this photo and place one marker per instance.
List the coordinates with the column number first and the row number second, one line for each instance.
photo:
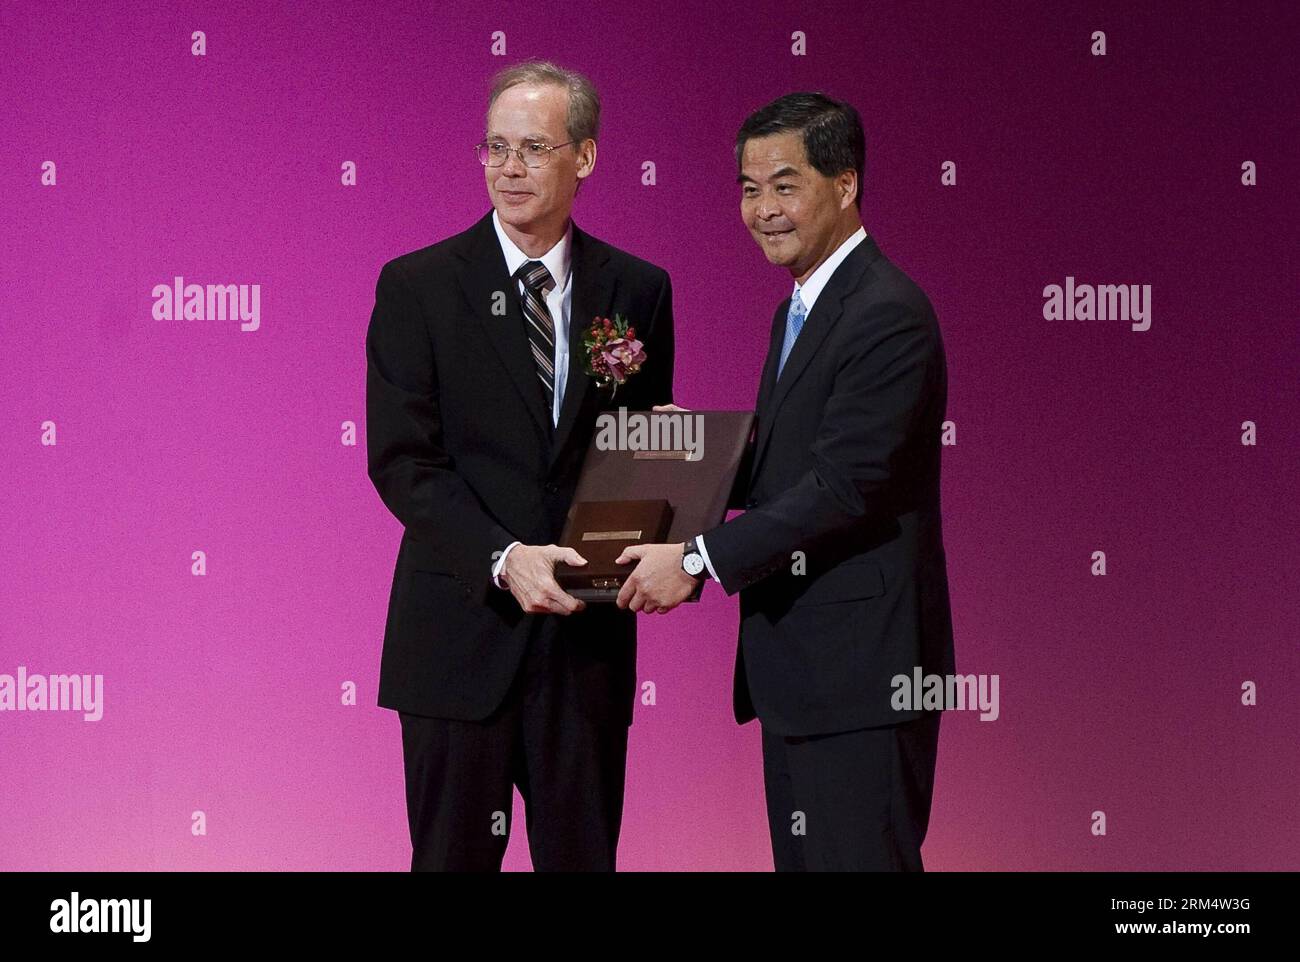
column 533, row 153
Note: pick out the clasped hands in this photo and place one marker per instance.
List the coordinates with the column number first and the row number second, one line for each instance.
column 656, row 585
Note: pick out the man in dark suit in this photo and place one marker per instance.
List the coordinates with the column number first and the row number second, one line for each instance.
column 478, row 415
column 839, row 556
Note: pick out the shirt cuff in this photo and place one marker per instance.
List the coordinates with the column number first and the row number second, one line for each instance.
column 707, row 563
column 500, row 564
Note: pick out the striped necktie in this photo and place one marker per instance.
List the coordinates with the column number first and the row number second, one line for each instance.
column 541, row 329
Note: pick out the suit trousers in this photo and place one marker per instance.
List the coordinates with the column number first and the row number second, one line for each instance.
column 863, row 797
column 569, row 769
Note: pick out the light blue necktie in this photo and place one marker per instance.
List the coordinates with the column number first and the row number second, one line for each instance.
column 794, row 319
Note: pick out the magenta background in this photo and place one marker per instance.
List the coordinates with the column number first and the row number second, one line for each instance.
column 222, row 693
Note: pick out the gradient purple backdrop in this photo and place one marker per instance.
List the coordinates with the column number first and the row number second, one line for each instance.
column 222, row 693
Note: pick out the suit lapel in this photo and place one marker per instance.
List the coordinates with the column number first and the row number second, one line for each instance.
column 768, row 379
column 826, row 311
column 484, row 278
column 593, row 293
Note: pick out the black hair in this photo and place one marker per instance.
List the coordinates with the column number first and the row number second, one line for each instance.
column 832, row 132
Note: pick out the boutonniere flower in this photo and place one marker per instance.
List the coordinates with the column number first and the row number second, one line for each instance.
column 613, row 352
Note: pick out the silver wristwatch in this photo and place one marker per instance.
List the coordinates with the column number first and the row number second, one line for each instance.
column 692, row 560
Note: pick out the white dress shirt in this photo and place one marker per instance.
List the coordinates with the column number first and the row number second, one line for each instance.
column 808, row 293
column 559, row 298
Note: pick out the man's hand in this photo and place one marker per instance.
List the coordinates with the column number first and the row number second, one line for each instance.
column 529, row 573
column 657, row 584
column 667, row 407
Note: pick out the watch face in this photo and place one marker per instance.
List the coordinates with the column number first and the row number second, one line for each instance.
column 693, row 564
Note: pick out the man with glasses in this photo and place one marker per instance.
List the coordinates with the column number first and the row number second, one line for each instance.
column 478, row 414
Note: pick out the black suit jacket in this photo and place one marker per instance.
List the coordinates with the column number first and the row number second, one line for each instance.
column 462, row 451
column 844, row 467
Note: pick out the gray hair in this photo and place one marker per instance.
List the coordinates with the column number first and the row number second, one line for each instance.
column 583, row 119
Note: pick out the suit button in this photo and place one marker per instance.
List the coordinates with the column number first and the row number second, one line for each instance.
column 552, row 487
column 751, row 504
